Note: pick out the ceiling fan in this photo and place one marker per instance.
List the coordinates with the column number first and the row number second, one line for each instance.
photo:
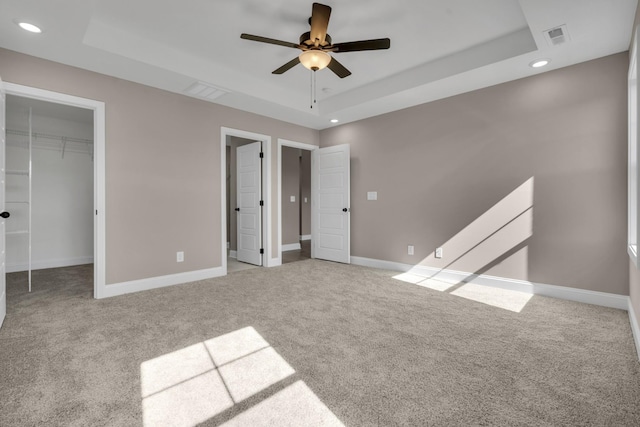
column 316, row 45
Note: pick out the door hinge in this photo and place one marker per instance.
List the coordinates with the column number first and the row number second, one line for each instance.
column 261, row 251
column 261, row 155
column 261, row 202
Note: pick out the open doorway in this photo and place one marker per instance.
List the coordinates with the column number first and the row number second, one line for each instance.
column 237, row 239
column 294, row 200
column 246, row 227
column 97, row 111
column 296, row 204
column 49, row 193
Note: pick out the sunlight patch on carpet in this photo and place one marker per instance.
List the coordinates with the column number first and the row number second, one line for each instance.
column 295, row 405
column 191, row 385
column 496, row 297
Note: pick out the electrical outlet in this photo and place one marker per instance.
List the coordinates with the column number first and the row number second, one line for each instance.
column 410, row 250
column 438, row 252
column 180, row 256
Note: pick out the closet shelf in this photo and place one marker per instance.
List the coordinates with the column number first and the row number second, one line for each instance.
column 37, row 135
column 17, row 232
column 17, row 172
column 17, row 201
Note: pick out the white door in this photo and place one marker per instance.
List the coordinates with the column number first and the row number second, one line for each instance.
column 330, row 219
column 249, row 194
column 3, row 282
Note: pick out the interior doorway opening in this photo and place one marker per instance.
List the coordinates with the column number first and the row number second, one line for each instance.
column 97, row 112
column 296, row 204
column 294, row 201
column 236, row 148
column 49, row 188
column 246, row 228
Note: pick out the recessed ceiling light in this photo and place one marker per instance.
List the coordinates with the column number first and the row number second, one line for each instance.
column 29, row 27
column 539, row 63
column 334, row 120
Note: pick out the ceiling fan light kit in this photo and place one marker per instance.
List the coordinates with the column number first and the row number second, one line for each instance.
column 315, row 60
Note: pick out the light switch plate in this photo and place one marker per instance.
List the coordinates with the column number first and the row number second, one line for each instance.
column 293, row 199
column 372, row 195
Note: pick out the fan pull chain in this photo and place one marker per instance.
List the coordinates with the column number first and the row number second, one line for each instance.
column 314, row 86
column 311, row 94
column 313, row 89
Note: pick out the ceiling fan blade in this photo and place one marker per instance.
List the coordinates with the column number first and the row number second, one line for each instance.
column 295, row 61
column 319, row 22
column 338, row 68
column 374, row 44
column 268, row 40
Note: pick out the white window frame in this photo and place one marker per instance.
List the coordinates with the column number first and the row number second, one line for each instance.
column 633, row 188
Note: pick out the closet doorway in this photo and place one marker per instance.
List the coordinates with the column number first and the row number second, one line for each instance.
column 55, row 175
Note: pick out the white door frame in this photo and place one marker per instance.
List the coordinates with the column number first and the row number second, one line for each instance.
column 293, row 144
column 99, row 171
column 266, row 185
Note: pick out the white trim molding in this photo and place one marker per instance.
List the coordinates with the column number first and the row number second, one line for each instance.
column 161, row 281
column 291, row 247
column 305, row 237
column 635, row 327
column 561, row 292
column 233, row 254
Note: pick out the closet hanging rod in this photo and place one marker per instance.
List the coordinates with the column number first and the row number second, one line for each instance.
column 37, row 135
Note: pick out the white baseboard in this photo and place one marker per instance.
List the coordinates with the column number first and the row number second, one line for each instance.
column 233, row 254
column 635, row 327
column 160, row 282
column 305, row 237
column 275, row 262
column 53, row 263
column 561, row 292
column 291, row 247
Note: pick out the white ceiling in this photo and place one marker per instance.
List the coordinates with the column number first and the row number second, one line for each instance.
column 439, row 48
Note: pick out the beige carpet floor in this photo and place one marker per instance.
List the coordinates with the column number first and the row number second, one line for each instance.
column 307, row 343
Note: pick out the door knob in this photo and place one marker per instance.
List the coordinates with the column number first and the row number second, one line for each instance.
column 344, row 210
column 237, row 209
column 5, row 214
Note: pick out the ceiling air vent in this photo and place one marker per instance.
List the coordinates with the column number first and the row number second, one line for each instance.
column 205, row 91
column 557, row 35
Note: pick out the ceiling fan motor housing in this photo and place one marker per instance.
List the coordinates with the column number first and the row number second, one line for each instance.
column 305, row 40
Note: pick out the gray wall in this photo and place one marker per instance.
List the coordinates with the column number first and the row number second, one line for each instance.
column 437, row 167
column 162, row 153
column 290, row 187
column 558, row 137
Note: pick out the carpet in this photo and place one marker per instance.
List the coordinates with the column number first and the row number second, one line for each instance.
column 307, row 343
